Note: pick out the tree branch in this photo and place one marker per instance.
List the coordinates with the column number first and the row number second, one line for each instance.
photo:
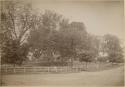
column 13, row 27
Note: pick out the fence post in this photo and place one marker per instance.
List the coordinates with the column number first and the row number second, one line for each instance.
column 6, row 69
column 24, row 70
column 48, row 69
column 56, row 69
column 14, row 70
column 67, row 69
column 34, row 69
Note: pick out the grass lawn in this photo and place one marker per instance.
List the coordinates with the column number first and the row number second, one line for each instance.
column 112, row 77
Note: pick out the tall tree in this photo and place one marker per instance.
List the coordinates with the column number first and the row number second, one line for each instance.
column 41, row 37
column 16, row 21
column 113, row 48
column 90, row 49
column 57, row 36
column 75, row 34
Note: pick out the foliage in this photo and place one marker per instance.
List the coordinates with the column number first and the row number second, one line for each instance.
column 13, row 53
column 61, row 38
column 49, row 36
column 16, row 20
column 113, row 48
column 86, row 57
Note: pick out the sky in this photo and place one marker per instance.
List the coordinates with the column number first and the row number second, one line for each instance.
column 99, row 17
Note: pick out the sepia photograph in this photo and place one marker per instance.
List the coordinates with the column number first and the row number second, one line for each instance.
column 62, row 43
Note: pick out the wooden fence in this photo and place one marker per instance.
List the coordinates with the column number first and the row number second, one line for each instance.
column 58, row 69
column 39, row 69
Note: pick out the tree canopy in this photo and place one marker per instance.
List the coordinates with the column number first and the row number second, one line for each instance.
column 49, row 36
column 113, row 48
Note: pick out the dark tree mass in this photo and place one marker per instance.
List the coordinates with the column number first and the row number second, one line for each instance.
column 51, row 38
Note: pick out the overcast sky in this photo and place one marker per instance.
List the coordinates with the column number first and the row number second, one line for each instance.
column 99, row 17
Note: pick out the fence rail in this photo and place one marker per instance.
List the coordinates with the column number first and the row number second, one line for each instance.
column 39, row 69
column 60, row 69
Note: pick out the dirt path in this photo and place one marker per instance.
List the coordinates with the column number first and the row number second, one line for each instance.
column 112, row 77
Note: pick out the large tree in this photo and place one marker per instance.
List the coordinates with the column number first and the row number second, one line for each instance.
column 16, row 21
column 56, row 36
column 112, row 46
column 41, row 37
column 89, row 49
column 74, row 35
